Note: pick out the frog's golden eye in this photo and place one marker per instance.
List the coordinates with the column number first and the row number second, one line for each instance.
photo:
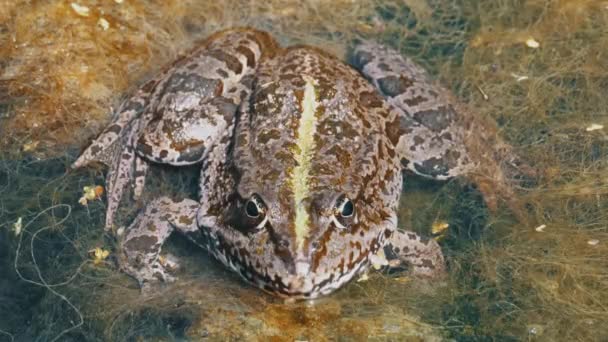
column 344, row 212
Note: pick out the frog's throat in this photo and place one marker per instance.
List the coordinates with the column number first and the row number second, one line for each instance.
column 300, row 177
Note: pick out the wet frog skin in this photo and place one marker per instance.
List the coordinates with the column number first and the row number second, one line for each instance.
column 301, row 161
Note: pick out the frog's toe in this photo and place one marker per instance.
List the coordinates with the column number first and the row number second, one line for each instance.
column 139, row 177
column 150, row 269
column 422, row 255
column 150, row 281
column 141, row 243
column 169, row 262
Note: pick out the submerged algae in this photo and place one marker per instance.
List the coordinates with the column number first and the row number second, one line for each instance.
column 508, row 281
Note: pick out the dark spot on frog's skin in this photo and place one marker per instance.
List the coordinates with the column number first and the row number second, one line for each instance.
column 432, row 167
column 152, row 227
column 185, row 220
column 388, row 233
column 191, row 82
column 428, row 263
column 325, row 282
column 247, row 81
column 436, row 120
column 192, row 66
column 394, row 85
column 225, row 107
column 267, row 135
column 144, row 148
column 143, row 243
column 163, row 154
column 374, row 245
column 116, row 129
column 417, row 142
column 370, row 100
column 221, row 72
column 95, row 149
column 248, row 54
column 414, row 101
column 384, row 67
column 148, row 86
column 391, row 253
column 361, row 58
column 393, row 130
column 231, row 62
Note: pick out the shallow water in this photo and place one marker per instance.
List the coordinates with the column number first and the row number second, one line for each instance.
column 545, row 279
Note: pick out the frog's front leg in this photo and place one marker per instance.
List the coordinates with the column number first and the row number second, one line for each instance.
column 140, row 246
column 423, row 255
column 114, row 148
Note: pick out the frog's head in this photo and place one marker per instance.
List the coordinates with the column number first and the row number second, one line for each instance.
column 316, row 185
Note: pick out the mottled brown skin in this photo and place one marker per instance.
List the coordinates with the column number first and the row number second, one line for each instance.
column 301, row 161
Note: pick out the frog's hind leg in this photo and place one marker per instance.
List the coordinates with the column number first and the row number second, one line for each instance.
column 422, row 255
column 174, row 117
column 198, row 104
column 430, row 140
column 113, row 148
column 438, row 136
column 141, row 244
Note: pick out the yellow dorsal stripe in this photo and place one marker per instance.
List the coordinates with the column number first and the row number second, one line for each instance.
column 303, row 156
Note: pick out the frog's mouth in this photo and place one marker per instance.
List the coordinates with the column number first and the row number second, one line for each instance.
column 302, row 284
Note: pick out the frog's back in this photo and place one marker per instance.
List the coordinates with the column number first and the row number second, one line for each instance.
column 314, row 130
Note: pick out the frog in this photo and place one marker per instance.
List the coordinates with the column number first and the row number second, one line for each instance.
column 302, row 157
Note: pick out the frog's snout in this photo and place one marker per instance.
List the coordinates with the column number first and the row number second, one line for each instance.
column 300, row 278
column 302, row 268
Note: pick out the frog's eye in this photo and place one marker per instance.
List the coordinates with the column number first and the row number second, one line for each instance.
column 347, row 208
column 252, row 209
column 256, row 210
column 344, row 212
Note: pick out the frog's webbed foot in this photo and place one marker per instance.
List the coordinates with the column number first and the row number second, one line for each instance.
column 498, row 170
column 422, row 255
column 141, row 244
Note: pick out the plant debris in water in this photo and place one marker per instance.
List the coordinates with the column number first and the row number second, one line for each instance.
column 64, row 64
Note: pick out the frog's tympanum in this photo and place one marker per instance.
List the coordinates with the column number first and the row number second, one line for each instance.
column 301, row 160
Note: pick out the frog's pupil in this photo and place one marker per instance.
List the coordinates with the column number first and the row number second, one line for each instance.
column 252, row 209
column 347, row 208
